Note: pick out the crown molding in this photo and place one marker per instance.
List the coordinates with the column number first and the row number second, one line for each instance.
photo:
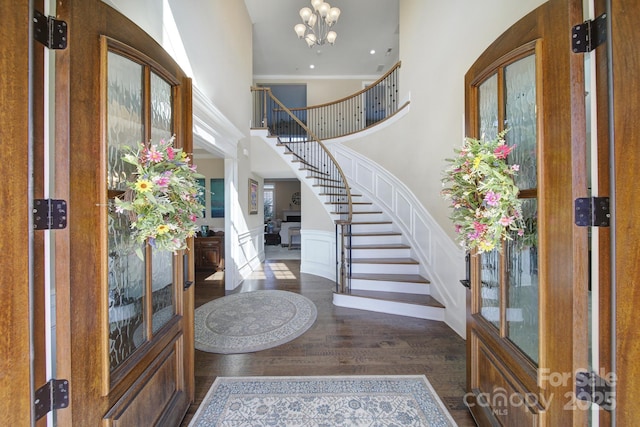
column 212, row 130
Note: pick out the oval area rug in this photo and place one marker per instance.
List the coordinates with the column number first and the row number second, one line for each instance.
column 252, row 321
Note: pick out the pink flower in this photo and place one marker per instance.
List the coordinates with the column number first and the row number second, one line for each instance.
column 458, row 228
column 473, row 236
column 521, row 232
column 170, row 153
column 506, row 220
column 161, row 181
column 515, row 168
column 154, row 156
column 492, row 198
column 502, row 151
column 193, row 217
column 479, row 227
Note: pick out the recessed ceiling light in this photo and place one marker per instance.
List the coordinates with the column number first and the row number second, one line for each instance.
column 372, row 52
column 312, row 66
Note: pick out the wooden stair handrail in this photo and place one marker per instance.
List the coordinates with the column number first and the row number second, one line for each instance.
column 314, row 138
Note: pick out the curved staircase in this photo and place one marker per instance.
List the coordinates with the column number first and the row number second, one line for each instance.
column 377, row 271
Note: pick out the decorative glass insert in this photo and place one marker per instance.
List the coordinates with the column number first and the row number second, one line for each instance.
column 127, row 272
column 161, row 109
column 126, row 278
column 125, row 109
column 490, row 286
column 520, row 118
column 488, row 108
column 162, row 289
column 522, row 275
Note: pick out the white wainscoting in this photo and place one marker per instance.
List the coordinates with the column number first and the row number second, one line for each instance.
column 441, row 260
column 318, row 253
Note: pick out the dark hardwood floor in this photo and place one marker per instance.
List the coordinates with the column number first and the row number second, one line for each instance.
column 342, row 341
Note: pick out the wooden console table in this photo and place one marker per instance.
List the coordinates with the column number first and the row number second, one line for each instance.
column 209, row 253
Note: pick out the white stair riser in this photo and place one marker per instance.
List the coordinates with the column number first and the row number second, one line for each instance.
column 401, row 309
column 354, row 208
column 376, row 240
column 369, row 217
column 385, row 268
column 371, row 228
column 381, row 253
column 400, row 287
column 364, row 208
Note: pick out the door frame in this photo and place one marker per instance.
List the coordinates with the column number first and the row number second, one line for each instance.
column 17, row 382
column 624, row 134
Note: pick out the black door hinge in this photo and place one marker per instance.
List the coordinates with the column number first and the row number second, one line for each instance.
column 592, row 388
column 49, row 31
column 592, row 212
column 49, row 214
column 51, row 396
column 590, row 34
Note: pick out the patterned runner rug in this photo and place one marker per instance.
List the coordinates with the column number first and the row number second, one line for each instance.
column 252, row 321
column 322, row 401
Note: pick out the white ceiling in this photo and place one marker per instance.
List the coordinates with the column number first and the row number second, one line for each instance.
column 278, row 53
column 363, row 25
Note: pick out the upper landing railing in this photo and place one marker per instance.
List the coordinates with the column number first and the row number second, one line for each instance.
column 355, row 113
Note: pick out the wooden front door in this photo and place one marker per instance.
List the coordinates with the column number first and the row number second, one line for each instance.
column 124, row 322
column 625, row 132
column 528, row 305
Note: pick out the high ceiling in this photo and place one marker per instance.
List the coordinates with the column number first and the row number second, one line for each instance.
column 363, row 25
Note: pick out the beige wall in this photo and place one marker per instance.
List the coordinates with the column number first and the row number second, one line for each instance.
column 435, row 56
column 314, row 212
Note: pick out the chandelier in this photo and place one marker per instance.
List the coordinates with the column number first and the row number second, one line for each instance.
column 317, row 22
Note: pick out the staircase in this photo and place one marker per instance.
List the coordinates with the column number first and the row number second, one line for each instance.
column 377, row 270
column 384, row 276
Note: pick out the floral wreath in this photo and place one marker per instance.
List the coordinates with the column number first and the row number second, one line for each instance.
column 479, row 183
column 162, row 202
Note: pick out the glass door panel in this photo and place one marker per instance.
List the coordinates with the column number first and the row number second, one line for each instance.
column 522, row 276
column 161, row 109
column 132, row 282
column 488, row 108
column 522, row 254
column 490, row 287
column 126, row 279
column 520, row 119
column 163, row 306
column 490, row 262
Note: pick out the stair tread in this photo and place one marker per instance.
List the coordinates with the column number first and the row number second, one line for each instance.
column 328, row 186
column 345, row 203
column 375, row 233
column 370, row 222
column 339, row 194
column 381, row 246
column 413, row 278
column 416, row 299
column 358, row 212
column 383, row 261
